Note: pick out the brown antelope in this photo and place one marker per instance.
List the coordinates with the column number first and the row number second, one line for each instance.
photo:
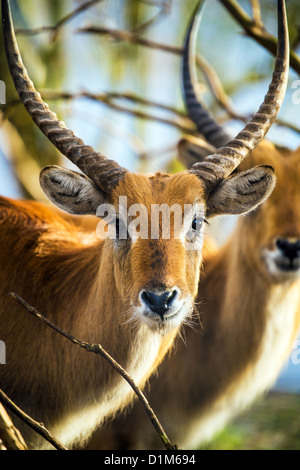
column 249, row 305
column 131, row 294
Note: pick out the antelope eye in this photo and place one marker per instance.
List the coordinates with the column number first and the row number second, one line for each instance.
column 197, row 224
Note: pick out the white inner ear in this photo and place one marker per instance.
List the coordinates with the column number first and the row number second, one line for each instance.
column 73, row 184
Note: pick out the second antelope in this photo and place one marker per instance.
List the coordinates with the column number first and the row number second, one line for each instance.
column 249, row 305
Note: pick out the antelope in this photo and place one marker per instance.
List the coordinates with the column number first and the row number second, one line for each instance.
column 248, row 300
column 130, row 295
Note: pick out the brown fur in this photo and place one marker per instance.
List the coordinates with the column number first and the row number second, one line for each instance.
column 87, row 287
column 216, row 372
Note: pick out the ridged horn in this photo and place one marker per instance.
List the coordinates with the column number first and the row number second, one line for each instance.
column 206, row 125
column 223, row 162
column 105, row 173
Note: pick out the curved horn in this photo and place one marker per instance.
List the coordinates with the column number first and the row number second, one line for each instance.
column 223, row 162
column 206, row 125
column 105, row 173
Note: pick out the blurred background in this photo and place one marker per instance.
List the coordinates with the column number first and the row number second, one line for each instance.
column 111, row 69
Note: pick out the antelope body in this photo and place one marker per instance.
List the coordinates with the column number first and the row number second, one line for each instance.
column 248, row 300
column 130, row 295
column 249, row 306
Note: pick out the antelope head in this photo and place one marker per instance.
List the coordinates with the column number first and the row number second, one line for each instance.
column 155, row 276
column 269, row 237
column 275, row 226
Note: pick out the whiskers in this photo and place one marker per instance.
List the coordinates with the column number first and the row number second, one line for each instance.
column 193, row 321
column 132, row 317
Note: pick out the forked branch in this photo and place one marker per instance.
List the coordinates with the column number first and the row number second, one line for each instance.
column 10, row 436
column 256, row 30
column 38, row 427
column 97, row 349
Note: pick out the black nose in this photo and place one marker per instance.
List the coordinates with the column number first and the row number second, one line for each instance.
column 159, row 302
column 290, row 249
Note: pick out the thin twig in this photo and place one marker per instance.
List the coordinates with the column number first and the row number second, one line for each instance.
column 208, row 71
column 2, row 446
column 98, row 349
column 38, row 427
column 179, row 121
column 55, row 29
column 256, row 13
column 164, row 8
column 258, row 32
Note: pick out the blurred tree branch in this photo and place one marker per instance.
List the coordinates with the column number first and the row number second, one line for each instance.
column 98, row 349
column 25, row 168
column 9, row 434
column 210, row 74
column 256, row 12
column 38, row 427
column 256, row 30
column 253, row 27
column 55, row 29
column 164, row 9
column 180, row 120
column 163, row 5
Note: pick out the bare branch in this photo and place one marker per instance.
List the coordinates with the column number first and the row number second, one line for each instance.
column 38, row 427
column 179, row 121
column 164, row 8
column 210, row 75
column 10, row 435
column 2, row 446
column 217, row 89
column 26, row 170
column 256, row 13
column 55, row 29
column 258, row 32
column 208, row 71
column 98, row 349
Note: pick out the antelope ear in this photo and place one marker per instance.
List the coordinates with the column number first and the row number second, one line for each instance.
column 193, row 149
column 242, row 192
column 71, row 191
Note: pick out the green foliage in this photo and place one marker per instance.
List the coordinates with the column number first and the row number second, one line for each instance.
column 271, row 424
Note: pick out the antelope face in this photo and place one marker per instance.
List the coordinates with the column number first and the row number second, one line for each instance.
column 276, row 223
column 281, row 253
column 158, row 259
